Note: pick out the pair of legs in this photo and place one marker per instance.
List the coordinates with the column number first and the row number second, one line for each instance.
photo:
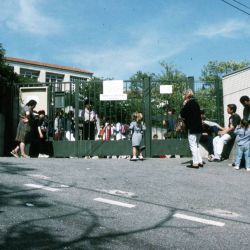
column 207, row 141
column 218, row 144
column 89, row 131
column 137, row 152
column 243, row 150
column 193, row 140
column 20, row 147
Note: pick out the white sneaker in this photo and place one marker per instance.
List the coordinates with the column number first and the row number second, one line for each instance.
column 248, row 169
column 141, row 157
column 237, row 167
column 133, row 158
column 210, row 157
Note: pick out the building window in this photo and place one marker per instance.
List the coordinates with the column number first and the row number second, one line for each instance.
column 56, row 79
column 32, row 74
column 75, row 79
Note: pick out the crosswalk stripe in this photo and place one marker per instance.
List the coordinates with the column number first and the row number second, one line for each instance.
column 112, row 202
column 200, row 220
column 42, row 187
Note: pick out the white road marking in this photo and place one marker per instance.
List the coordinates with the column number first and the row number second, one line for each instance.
column 29, row 205
column 112, row 202
column 118, row 192
column 224, row 213
column 40, row 176
column 64, row 186
column 42, row 187
column 200, row 220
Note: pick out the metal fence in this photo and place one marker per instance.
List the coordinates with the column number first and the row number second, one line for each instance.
column 66, row 103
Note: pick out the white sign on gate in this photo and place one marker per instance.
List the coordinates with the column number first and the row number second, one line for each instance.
column 166, row 89
column 113, row 91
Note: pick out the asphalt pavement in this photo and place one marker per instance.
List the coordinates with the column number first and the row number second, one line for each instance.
column 61, row 203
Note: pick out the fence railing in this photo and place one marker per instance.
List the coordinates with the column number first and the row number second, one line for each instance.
column 66, row 103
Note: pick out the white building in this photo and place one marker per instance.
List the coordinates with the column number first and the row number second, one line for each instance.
column 235, row 85
column 48, row 73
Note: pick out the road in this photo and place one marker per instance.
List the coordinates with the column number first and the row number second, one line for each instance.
column 58, row 203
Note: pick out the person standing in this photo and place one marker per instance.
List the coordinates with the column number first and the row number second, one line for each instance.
column 137, row 127
column 24, row 129
column 170, row 123
column 191, row 114
column 70, row 126
column 226, row 134
column 89, row 118
column 42, row 126
column 245, row 101
column 59, row 126
column 243, row 144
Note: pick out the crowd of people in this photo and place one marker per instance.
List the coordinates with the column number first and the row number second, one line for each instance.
column 238, row 130
column 34, row 128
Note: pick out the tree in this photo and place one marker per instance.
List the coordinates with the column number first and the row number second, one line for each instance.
column 214, row 70
column 171, row 75
column 211, row 75
column 6, row 72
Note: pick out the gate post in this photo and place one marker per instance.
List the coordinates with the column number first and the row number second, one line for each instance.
column 219, row 101
column 147, row 114
column 77, row 118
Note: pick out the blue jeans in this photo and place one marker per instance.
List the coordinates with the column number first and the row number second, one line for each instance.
column 240, row 151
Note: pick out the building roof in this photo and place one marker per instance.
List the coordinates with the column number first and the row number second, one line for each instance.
column 237, row 71
column 55, row 66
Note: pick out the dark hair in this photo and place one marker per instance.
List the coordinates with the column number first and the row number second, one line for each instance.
column 31, row 103
column 41, row 112
column 172, row 110
column 232, row 107
column 244, row 123
column 244, row 98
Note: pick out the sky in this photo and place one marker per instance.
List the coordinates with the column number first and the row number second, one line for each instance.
column 117, row 38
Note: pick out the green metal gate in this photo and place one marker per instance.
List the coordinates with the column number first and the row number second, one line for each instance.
column 142, row 96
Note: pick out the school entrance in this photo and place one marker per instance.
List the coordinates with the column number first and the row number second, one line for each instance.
column 113, row 103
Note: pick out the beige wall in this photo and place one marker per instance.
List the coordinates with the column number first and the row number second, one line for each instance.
column 39, row 94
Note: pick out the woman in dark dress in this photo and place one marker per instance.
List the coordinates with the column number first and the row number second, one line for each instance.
column 24, row 128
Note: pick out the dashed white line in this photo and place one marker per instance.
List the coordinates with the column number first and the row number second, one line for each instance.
column 200, row 220
column 40, row 176
column 112, row 202
column 42, row 187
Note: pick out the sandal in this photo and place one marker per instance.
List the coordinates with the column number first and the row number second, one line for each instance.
column 14, row 154
column 25, row 156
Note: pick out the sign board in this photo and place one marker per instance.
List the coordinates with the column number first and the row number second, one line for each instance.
column 39, row 94
column 166, row 89
column 113, row 91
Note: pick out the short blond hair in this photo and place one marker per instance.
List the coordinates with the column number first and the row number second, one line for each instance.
column 139, row 117
column 188, row 93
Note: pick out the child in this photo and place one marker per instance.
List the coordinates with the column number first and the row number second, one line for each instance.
column 42, row 126
column 243, row 144
column 137, row 127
